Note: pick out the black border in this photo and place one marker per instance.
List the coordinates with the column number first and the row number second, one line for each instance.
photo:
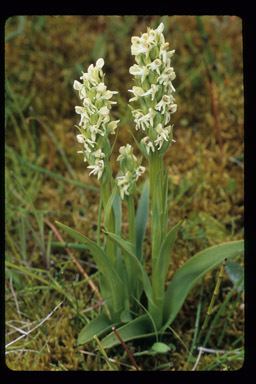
column 249, row 58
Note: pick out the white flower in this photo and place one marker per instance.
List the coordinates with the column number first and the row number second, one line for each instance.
column 139, row 46
column 155, row 65
column 139, row 171
column 108, row 94
column 145, row 121
column 137, row 91
column 126, row 151
column 163, row 135
column 149, row 146
column 94, row 73
column 160, row 28
column 99, row 154
column 80, row 138
column 99, row 63
column 103, row 93
column 101, row 88
column 97, row 168
column 173, row 108
column 136, row 70
column 123, row 183
column 104, row 111
column 163, row 104
column 151, row 91
column 167, row 76
column 84, row 116
column 112, row 126
column 94, row 117
column 130, row 169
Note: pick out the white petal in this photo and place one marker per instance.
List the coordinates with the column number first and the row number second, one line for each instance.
column 160, row 28
column 80, row 138
column 77, row 85
column 99, row 63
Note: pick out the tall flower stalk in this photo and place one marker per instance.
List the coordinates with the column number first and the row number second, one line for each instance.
column 94, row 128
column 154, row 105
column 130, row 171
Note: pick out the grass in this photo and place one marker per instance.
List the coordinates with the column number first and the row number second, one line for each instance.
column 46, row 180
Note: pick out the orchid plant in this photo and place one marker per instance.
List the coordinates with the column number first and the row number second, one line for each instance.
column 138, row 304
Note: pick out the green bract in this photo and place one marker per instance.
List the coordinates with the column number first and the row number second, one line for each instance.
column 137, row 303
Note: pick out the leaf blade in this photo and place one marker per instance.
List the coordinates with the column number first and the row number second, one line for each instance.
column 113, row 280
column 191, row 271
column 140, row 327
column 138, row 269
column 96, row 327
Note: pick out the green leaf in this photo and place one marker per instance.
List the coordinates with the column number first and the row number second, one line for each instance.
column 138, row 328
column 163, row 261
column 138, row 271
column 141, row 219
column 192, row 270
column 96, row 327
column 236, row 274
column 110, row 275
column 160, row 348
column 126, row 316
column 97, row 253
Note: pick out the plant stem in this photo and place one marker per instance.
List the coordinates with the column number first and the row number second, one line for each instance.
column 131, row 220
column 156, row 191
column 105, row 192
column 158, row 225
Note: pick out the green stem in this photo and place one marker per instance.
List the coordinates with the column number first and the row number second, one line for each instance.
column 156, row 176
column 133, row 284
column 158, row 226
column 131, row 221
column 105, row 192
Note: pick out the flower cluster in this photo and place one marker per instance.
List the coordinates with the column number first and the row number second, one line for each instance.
column 131, row 170
column 153, row 91
column 95, row 124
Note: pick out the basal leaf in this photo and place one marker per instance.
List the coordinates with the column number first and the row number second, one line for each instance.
column 135, row 329
column 160, row 347
column 138, row 271
column 96, row 327
column 110, row 275
column 236, row 274
column 186, row 277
